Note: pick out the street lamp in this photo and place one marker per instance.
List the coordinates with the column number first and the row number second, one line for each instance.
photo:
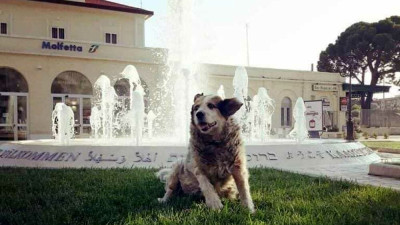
column 350, row 125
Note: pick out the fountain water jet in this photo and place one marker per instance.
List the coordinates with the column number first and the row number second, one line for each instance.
column 63, row 123
column 150, row 118
column 221, row 92
column 240, row 87
column 138, row 114
column 104, row 100
column 263, row 108
column 299, row 132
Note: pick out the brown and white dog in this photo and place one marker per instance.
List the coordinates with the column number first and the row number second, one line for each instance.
column 216, row 162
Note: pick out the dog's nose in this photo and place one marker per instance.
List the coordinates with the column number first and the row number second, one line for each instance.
column 200, row 115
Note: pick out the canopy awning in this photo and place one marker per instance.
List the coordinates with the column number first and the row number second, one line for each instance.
column 359, row 88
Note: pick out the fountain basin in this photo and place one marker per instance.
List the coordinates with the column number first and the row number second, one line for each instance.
column 89, row 153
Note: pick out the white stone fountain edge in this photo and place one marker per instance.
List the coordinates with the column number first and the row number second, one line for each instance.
column 276, row 156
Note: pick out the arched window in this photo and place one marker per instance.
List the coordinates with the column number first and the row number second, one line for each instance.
column 13, row 105
column 12, row 81
column 122, row 89
column 75, row 90
column 286, row 112
column 71, row 82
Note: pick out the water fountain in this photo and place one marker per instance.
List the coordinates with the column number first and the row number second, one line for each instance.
column 299, row 132
column 137, row 107
column 221, row 92
column 118, row 136
column 103, row 104
column 263, row 108
column 111, row 118
column 63, row 123
column 150, row 118
column 240, row 87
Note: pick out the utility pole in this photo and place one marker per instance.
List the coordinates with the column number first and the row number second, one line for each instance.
column 247, row 44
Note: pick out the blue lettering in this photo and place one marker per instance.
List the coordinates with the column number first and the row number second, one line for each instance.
column 46, row 45
column 60, row 46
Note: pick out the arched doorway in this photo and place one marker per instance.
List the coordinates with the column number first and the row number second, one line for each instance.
column 13, row 105
column 286, row 112
column 75, row 90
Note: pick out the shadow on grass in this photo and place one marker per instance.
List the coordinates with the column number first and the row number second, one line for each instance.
column 129, row 196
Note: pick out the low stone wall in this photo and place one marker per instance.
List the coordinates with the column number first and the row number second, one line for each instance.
column 382, row 130
column 384, row 169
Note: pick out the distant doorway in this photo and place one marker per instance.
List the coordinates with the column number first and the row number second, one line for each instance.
column 286, row 112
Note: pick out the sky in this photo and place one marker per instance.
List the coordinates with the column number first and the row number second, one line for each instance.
column 283, row 34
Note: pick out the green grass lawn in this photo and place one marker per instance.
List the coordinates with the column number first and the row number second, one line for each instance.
column 393, row 146
column 129, row 196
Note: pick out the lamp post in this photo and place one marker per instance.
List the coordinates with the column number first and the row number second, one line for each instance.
column 350, row 125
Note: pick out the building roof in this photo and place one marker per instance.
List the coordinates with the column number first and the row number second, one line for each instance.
column 101, row 4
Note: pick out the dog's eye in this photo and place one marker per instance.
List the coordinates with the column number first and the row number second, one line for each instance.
column 196, row 108
column 210, row 106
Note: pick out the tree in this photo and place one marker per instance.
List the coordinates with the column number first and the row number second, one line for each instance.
column 365, row 47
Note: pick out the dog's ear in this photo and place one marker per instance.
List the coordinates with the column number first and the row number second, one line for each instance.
column 229, row 106
column 197, row 96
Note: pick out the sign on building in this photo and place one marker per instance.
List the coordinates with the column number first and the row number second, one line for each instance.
column 324, row 87
column 314, row 116
column 343, row 104
column 326, row 104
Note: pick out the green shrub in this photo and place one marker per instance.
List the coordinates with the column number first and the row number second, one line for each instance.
column 374, row 136
column 365, row 135
column 385, row 135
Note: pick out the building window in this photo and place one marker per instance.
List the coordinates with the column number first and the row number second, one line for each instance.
column 12, row 81
column 57, row 33
column 114, row 38
column 3, row 29
column 286, row 112
column 108, row 38
column 111, row 38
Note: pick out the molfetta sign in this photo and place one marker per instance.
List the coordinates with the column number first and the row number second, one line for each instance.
column 314, row 115
column 60, row 46
column 278, row 156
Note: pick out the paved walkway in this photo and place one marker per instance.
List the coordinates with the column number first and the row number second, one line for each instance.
column 354, row 172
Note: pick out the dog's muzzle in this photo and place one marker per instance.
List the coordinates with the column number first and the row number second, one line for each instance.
column 206, row 126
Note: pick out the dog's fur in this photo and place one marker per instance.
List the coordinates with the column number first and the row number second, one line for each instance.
column 216, row 162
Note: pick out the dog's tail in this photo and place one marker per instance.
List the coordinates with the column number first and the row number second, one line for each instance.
column 163, row 174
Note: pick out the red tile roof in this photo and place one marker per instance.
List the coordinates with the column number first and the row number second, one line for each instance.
column 101, row 4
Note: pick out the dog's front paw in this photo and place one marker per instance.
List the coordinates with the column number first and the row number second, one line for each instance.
column 214, row 203
column 250, row 205
column 162, row 200
column 251, row 208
